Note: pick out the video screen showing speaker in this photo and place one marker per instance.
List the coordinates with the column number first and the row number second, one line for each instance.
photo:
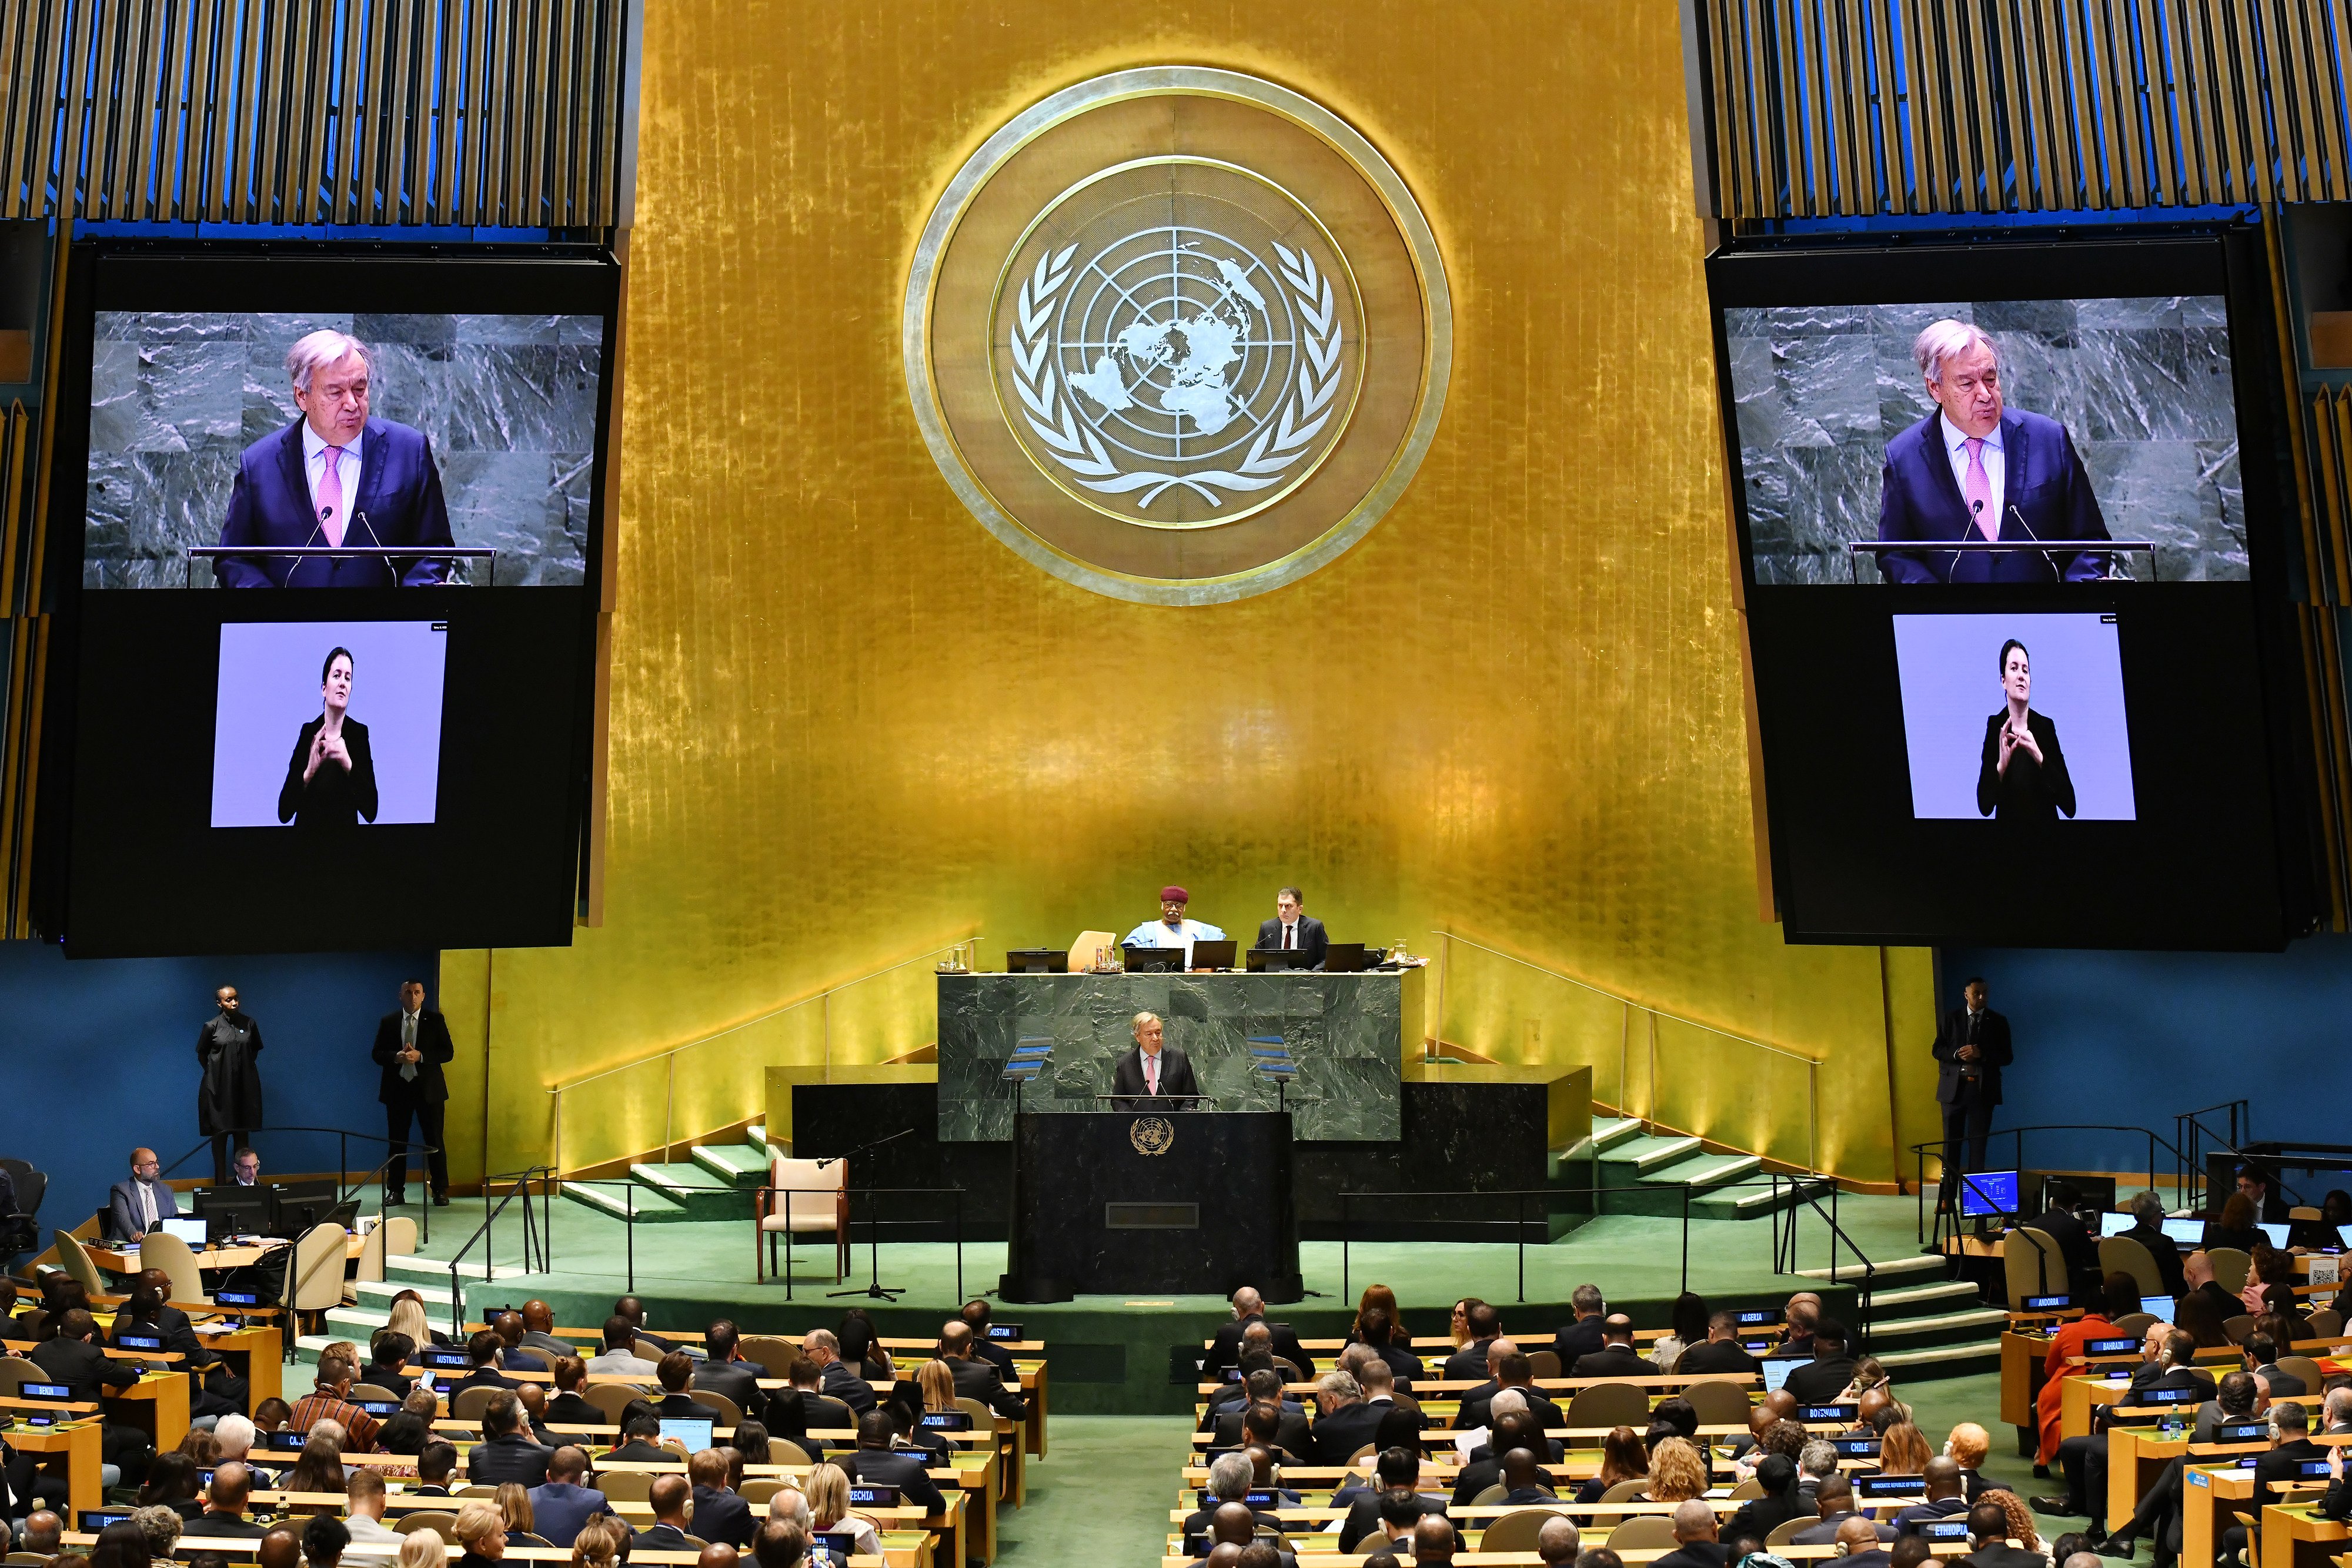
column 2011, row 534
column 386, row 741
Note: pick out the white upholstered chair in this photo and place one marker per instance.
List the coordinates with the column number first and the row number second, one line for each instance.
column 802, row 1198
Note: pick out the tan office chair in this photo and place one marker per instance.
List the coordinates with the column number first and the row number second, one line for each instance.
column 756, row 1489
column 1748, row 1490
column 314, row 1282
column 625, row 1485
column 791, row 1452
column 818, row 1204
column 1543, row 1364
column 468, row 1407
column 1643, row 1532
column 2302, row 1211
column 1515, row 1531
column 2303, row 1367
column 2122, row 1255
column 774, row 1352
column 76, row 1262
column 2032, row 1269
column 1718, row 1404
column 2326, row 1323
column 646, row 1350
column 162, row 1249
column 2231, row 1266
column 2134, row 1322
column 1612, row 1405
column 16, row 1370
column 399, row 1235
column 726, row 1414
column 1489, row 1496
column 2240, row 1328
column 1785, row 1533
column 487, row 1492
column 426, row 1519
column 370, row 1264
column 611, row 1398
column 373, row 1391
column 1623, row 1492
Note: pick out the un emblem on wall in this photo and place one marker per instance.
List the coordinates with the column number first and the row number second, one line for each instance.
column 1178, row 335
column 1152, row 1134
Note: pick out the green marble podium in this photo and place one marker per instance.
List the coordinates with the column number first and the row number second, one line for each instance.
column 1348, row 1033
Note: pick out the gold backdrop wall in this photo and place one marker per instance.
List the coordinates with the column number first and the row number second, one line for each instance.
column 847, row 724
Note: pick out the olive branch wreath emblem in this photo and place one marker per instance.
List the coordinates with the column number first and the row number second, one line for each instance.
column 1052, row 413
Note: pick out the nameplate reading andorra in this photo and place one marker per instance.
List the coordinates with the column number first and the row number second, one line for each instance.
column 1152, row 1134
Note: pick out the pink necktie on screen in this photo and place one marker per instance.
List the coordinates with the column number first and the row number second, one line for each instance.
column 330, row 495
column 1979, row 490
column 1152, row 1075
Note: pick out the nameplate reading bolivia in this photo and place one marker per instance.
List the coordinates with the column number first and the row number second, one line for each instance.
column 1152, row 1134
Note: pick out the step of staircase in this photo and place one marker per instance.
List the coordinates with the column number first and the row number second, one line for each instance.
column 380, row 1292
column 415, row 1272
column 700, row 1193
column 756, row 1134
column 1946, row 1294
column 607, row 1198
column 1660, row 1153
column 1755, row 1201
column 1939, row 1328
column 738, row 1165
column 1943, row 1360
column 1881, row 1268
column 1609, row 1130
column 1706, row 1171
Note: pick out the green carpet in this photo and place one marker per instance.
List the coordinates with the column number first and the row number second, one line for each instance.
column 1102, row 1495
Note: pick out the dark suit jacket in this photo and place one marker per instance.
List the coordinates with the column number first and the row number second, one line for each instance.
column 82, row 1368
column 890, row 1468
column 1292, row 1432
column 1311, row 938
column 510, row 1458
column 2042, row 478
column 2163, row 1380
column 224, row 1524
column 122, row 1204
column 1714, row 1355
column 333, row 797
column 844, row 1385
column 997, row 1356
column 977, row 1380
column 1476, row 1410
column 517, row 1360
column 399, row 492
column 660, row 1538
column 2001, row 1554
column 1824, row 1531
column 1613, row 1361
column 723, row 1516
column 1819, row 1382
column 1576, row 1341
column 1176, row 1080
column 558, row 1509
column 1992, row 1055
column 738, row 1380
column 2030, row 792
column 434, row 1047
column 2165, row 1252
column 2283, row 1463
column 1225, row 1349
column 482, row 1377
column 2075, row 1245
column 1403, row 1362
column 1697, row 1554
column 1468, row 1362
column 568, row 1409
column 1344, row 1430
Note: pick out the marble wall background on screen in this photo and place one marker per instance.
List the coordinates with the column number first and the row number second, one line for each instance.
column 509, row 403
column 2142, row 386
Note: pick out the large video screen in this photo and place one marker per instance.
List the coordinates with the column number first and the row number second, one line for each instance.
column 386, row 742
column 2008, row 533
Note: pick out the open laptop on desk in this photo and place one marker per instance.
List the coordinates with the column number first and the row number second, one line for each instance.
column 1152, row 960
column 1214, row 955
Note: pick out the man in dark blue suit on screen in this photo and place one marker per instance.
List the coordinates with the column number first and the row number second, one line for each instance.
column 1974, row 470
column 334, row 476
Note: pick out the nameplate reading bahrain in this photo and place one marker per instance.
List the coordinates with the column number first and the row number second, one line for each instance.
column 1178, row 335
column 1152, row 1134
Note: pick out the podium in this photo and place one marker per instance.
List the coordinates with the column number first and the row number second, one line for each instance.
column 1183, row 1202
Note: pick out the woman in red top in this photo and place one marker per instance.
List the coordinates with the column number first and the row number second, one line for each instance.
column 2121, row 1300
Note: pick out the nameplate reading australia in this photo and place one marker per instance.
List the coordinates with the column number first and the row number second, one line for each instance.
column 1176, row 335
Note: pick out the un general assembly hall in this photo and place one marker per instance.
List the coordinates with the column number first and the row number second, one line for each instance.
column 1365, row 784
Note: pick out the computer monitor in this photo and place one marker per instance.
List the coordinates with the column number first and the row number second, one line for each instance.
column 2114, row 1224
column 1258, row 959
column 1152, row 960
column 1343, row 958
column 295, row 1207
column 190, row 1230
column 2277, row 1233
column 1037, row 961
column 691, row 1431
column 1778, row 1368
column 2158, row 1307
column 1989, row 1193
column 2188, row 1232
column 1214, row 955
column 233, row 1210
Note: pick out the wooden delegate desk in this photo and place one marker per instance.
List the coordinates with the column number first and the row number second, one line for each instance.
column 83, row 1445
column 211, row 1260
column 2294, row 1533
column 2022, row 1356
column 157, row 1404
column 2078, row 1396
column 2210, row 1497
column 263, row 1348
column 2136, row 1455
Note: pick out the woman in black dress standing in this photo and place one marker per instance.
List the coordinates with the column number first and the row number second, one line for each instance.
column 2023, row 777
column 228, row 1100
column 331, row 781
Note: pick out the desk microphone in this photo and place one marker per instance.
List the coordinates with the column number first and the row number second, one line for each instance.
column 379, row 544
column 324, row 513
column 2046, row 556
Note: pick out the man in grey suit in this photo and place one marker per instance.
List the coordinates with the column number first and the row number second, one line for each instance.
column 136, row 1207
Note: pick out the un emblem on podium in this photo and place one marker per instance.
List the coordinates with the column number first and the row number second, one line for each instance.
column 1176, row 335
column 1152, row 1134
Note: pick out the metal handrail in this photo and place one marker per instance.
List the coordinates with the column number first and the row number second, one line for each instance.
column 417, row 1149
column 1812, row 1063
column 1919, row 1154
column 670, row 1054
column 1837, row 1233
column 522, row 1179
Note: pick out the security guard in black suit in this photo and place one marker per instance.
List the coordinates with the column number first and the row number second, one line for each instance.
column 1971, row 1049
column 412, row 1046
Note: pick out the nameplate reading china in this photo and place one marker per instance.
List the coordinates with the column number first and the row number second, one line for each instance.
column 1152, row 1134
column 1176, row 335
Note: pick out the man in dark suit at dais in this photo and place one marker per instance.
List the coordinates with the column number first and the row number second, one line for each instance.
column 1976, row 469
